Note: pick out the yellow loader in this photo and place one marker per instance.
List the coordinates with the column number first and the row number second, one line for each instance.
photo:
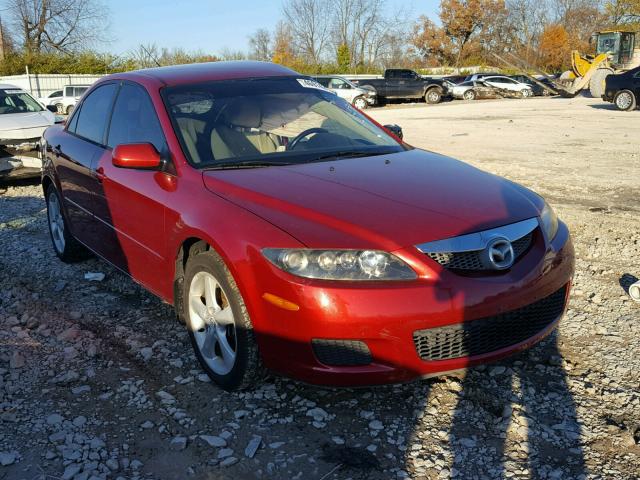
column 616, row 51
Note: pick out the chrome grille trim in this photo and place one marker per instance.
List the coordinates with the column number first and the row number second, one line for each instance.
column 478, row 241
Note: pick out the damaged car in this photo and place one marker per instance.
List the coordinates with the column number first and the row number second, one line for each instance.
column 22, row 122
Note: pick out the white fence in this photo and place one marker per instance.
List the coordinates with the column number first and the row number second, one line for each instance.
column 41, row 85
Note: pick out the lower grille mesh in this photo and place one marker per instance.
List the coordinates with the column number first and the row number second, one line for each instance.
column 341, row 352
column 489, row 334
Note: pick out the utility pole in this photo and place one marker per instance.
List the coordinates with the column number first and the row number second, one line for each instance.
column 2, row 49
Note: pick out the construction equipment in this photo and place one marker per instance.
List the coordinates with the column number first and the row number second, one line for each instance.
column 616, row 51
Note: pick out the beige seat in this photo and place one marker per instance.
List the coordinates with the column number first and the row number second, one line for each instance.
column 192, row 130
column 237, row 134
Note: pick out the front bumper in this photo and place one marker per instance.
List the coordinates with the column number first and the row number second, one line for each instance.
column 20, row 160
column 386, row 317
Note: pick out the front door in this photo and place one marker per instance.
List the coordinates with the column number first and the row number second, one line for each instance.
column 130, row 204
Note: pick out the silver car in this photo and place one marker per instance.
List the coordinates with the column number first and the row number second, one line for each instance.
column 359, row 97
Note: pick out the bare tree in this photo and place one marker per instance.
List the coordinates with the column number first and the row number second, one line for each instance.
column 309, row 25
column 58, row 25
column 260, row 45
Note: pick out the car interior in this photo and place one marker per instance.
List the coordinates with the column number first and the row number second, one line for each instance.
column 249, row 126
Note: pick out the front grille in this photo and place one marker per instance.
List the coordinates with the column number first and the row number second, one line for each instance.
column 341, row 353
column 471, row 260
column 489, row 334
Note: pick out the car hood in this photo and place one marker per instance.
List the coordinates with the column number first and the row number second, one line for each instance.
column 25, row 125
column 387, row 202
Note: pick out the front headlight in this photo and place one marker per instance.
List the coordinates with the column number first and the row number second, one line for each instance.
column 549, row 221
column 340, row 264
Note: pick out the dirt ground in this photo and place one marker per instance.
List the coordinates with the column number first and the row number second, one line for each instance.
column 97, row 379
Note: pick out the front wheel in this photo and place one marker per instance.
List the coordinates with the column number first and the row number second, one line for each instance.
column 433, row 96
column 360, row 103
column 625, row 100
column 526, row 93
column 69, row 109
column 219, row 325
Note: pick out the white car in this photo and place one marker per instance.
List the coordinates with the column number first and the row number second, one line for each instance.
column 357, row 96
column 22, row 122
column 66, row 99
column 510, row 84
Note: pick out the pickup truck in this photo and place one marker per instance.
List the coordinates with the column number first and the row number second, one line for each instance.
column 401, row 83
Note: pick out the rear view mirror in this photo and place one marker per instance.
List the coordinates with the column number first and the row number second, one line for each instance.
column 136, row 155
column 396, row 130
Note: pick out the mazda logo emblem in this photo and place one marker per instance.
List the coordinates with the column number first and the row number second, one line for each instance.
column 499, row 254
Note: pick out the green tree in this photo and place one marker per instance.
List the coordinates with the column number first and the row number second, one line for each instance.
column 343, row 56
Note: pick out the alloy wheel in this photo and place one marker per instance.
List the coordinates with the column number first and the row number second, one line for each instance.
column 624, row 100
column 213, row 323
column 56, row 222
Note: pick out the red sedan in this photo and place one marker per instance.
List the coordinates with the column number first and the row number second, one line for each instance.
column 290, row 231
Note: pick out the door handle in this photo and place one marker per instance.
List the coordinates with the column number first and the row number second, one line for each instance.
column 100, row 174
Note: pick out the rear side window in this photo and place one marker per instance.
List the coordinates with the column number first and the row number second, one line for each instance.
column 79, row 91
column 134, row 119
column 94, row 113
column 323, row 81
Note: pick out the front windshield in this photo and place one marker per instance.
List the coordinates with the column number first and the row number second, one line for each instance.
column 17, row 101
column 274, row 121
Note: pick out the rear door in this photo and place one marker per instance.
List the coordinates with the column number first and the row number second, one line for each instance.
column 74, row 157
column 413, row 86
column 130, row 203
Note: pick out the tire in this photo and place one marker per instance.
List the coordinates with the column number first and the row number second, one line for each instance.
column 597, row 82
column 469, row 95
column 67, row 248
column 526, row 93
column 433, row 96
column 69, row 109
column 60, row 108
column 209, row 288
column 625, row 100
column 360, row 103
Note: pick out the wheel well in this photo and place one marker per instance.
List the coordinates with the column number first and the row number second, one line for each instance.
column 46, row 181
column 189, row 247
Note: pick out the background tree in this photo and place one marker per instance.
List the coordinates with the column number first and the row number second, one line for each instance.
column 309, row 25
column 57, row 25
column 343, row 57
column 554, row 47
column 260, row 47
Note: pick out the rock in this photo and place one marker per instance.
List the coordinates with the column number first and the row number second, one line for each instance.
column 7, row 458
column 253, row 446
column 214, row 441
column 94, row 276
column 338, row 440
column 227, row 462
column 16, row 361
column 96, row 443
column 498, row 370
column 166, row 397
column 112, row 463
column 376, row 425
column 318, row 414
column 276, row 445
column 54, row 419
column 79, row 421
column 203, row 377
column 71, row 471
column 75, row 315
column 69, row 335
column 238, row 414
column 146, row 353
column 147, row 424
column 224, row 453
column 178, row 443
column 81, row 389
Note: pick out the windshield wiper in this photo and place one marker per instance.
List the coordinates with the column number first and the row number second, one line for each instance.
column 247, row 164
column 348, row 154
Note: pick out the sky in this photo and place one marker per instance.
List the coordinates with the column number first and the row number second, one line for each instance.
column 206, row 25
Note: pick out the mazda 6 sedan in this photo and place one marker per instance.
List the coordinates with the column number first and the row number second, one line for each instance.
column 292, row 233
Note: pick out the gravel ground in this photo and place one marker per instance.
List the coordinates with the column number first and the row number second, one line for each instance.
column 97, row 379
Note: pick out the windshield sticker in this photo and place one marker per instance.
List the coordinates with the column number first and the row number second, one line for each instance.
column 307, row 83
column 10, row 92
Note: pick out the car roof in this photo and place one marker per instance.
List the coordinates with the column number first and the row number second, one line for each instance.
column 203, row 72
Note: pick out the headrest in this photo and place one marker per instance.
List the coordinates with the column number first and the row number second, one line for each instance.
column 243, row 112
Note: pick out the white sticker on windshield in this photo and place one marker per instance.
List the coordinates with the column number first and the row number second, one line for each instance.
column 9, row 92
column 308, row 83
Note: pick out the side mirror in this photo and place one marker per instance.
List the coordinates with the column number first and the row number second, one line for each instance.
column 136, row 155
column 52, row 108
column 396, row 130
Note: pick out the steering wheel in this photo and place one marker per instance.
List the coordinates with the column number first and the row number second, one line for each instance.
column 294, row 143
